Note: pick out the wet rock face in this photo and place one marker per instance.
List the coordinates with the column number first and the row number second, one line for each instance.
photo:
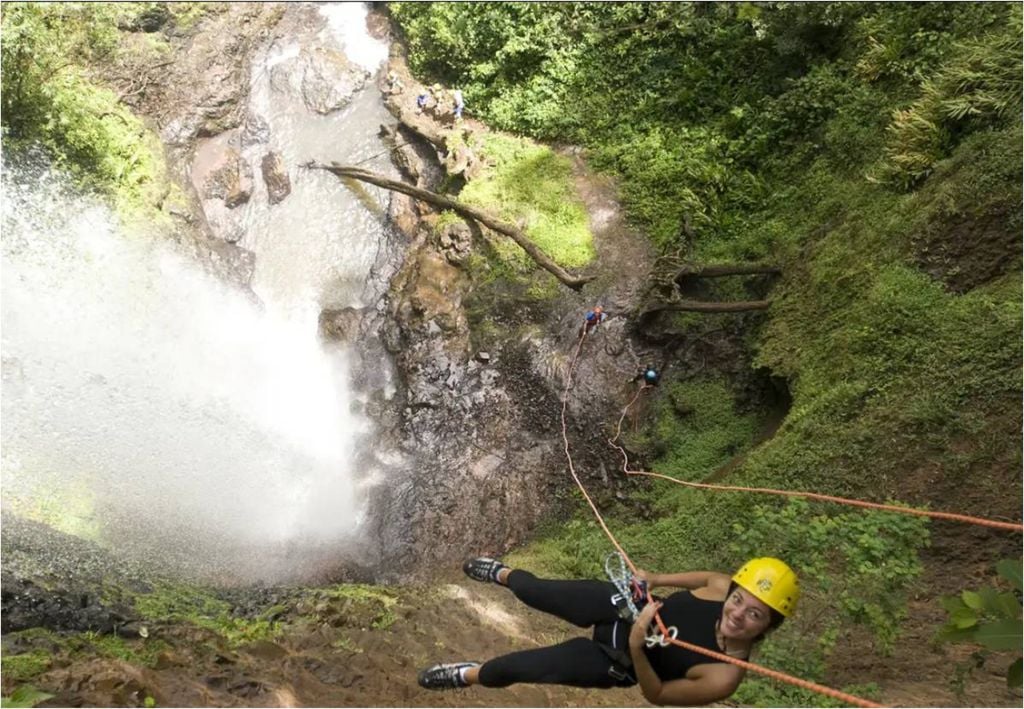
column 255, row 130
column 26, row 605
column 456, row 242
column 329, row 81
column 275, row 176
column 342, row 324
column 52, row 580
column 325, row 80
column 229, row 179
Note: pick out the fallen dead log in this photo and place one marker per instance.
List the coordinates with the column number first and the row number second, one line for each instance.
column 464, row 210
column 701, row 306
column 725, row 269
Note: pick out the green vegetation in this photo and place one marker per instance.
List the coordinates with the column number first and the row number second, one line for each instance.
column 90, row 644
column 52, row 97
column 526, row 183
column 873, row 152
column 695, row 427
column 989, row 617
column 360, row 602
column 25, row 666
column 203, row 609
column 25, row 696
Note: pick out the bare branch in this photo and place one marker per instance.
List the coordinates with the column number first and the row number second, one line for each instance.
column 491, row 222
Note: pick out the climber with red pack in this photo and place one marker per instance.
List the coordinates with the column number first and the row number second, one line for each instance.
column 727, row 615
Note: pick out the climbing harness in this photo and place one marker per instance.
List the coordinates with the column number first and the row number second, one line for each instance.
column 632, row 592
column 662, row 639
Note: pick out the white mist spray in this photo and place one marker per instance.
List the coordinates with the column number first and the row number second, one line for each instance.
column 158, row 407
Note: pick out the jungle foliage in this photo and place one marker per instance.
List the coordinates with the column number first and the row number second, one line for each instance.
column 872, row 151
column 52, row 95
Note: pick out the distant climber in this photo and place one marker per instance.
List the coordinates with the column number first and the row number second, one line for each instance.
column 716, row 612
column 593, row 319
column 395, row 85
column 459, row 103
column 648, row 375
column 421, row 102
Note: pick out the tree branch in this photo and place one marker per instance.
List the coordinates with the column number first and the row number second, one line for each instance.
column 726, row 269
column 491, row 222
column 702, row 306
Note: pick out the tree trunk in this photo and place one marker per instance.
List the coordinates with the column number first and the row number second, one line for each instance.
column 539, row 257
column 701, row 306
column 725, row 269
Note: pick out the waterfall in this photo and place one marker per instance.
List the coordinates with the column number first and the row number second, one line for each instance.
column 157, row 410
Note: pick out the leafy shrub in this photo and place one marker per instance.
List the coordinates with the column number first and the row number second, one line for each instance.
column 989, row 617
column 979, row 86
column 48, row 97
column 25, row 696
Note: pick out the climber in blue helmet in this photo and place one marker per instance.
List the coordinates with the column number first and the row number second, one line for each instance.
column 648, row 375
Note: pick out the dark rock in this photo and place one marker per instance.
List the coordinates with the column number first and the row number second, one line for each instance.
column 152, row 19
column 341, row 324
column 456, row 242
column 230, row 179
column 265, row 650
column 255, row 130
column 275, row 176
column 131, row 630
column 403, row 155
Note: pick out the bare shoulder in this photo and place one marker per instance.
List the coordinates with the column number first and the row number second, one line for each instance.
column 718, row 585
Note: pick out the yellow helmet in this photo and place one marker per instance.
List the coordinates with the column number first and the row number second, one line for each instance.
column 770, row 581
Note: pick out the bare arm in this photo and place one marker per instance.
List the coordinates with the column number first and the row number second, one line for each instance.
column 703, row 684
column 687, row 579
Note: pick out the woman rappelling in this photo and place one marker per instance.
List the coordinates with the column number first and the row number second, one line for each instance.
column 722, row 614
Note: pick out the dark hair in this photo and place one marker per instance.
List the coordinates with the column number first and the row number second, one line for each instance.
column 774, row 617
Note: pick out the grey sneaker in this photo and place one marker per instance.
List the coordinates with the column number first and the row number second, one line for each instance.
column 447, row 676
column 483, row 569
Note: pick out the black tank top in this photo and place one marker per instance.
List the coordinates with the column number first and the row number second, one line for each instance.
column 695, row 620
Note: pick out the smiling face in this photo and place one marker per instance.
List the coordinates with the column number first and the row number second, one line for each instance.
column 743, row 616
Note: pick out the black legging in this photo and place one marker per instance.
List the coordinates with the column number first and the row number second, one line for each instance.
column 579, row 662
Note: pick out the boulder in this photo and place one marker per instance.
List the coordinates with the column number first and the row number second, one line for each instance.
column 456, row 241
column 341, row 324
column 229, row 179
column 275, row 176
column 255, row 130
column 329, row 80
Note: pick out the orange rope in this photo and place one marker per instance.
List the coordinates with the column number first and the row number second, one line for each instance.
column 572, row 468
column 774, row 674
column 1011, row 526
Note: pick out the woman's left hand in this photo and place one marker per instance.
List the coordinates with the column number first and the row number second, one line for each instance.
column 638, row 633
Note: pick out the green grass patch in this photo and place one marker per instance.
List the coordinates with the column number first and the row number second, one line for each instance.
column 202, row 609
column 143, row 652
column 26, row 666
column 363, row 603
column 695, row 428
column 528, row 184
column 25, row 696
